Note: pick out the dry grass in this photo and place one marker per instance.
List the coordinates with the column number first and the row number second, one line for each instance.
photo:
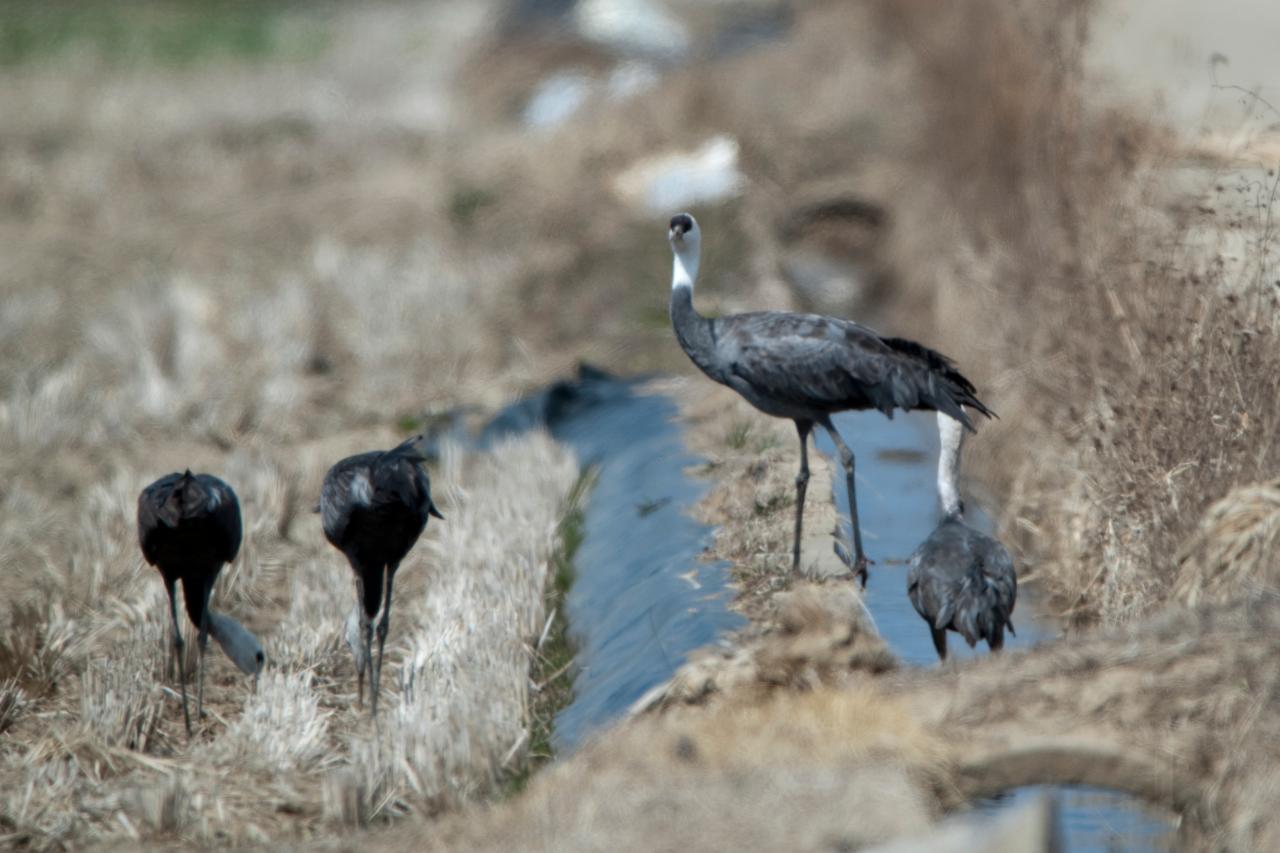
column 1120, row 325
column 813, row 636
column 742, row 777
column 102, row 755
column 1232, row 553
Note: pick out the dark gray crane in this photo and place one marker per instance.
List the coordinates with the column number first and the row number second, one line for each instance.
column 374, row 506
column 807, row 367
column 189, row 527
column 961, row 580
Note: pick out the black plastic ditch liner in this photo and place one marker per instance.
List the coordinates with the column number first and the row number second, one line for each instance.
column 642, row 598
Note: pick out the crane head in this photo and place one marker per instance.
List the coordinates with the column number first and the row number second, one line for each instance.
column 684, row 228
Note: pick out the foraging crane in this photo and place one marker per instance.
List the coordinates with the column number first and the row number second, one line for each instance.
column 374, row 506
column 960, row 580
column 189, row 527
column 807, row 367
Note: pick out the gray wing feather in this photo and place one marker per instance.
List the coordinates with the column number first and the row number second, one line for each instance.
column 963, row 579
column 830, row 363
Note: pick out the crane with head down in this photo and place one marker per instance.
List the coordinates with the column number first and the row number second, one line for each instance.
column 189, row 528
column 373, row 507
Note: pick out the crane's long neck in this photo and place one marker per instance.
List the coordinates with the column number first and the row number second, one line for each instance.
column 951, row 435
column 694, row 331
column 237, row 642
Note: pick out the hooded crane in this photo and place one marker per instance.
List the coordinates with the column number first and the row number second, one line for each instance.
column 189, row 527
column 374, row 506
column 960, row 580
column 807, row 367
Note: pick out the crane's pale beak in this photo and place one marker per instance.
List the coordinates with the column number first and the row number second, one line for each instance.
column 676, row 233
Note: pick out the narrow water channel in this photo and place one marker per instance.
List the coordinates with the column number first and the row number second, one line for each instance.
column 641, row 600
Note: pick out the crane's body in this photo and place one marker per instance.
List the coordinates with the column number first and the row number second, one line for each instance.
column 373, row 507
column 189, row 527
column 807, row 367
column 960, row 579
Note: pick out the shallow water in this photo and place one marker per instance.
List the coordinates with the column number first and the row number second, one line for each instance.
column 897, row 464
column 1092, row 819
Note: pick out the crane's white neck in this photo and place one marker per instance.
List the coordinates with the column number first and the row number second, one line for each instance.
column 684, row 271
column 951, row 435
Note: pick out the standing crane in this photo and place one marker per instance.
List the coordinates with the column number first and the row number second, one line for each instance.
column 807, row 367
column 189, row 527
column 374, row 506
column 960, row 580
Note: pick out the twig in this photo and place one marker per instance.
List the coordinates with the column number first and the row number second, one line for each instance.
column 546, row 629
column 538, row 688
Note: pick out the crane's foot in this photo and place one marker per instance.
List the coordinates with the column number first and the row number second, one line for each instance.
column 858, row 566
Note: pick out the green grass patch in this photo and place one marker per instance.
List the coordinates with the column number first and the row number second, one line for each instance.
column 736, row 438
column 157, row 32
column 553, row 667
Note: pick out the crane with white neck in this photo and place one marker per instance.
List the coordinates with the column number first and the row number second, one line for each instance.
column 807, row 367
column 959, row 579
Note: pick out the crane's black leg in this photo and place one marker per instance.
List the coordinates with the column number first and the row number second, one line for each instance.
column 940, row 642
column 384, row 625
column 860, row 561
column 203, row 644
column 802, row 485
column 178, row 652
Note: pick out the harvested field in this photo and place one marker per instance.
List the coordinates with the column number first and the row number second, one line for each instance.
column 254, row 243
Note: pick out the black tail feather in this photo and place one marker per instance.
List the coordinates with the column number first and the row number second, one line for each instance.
column 956, row 390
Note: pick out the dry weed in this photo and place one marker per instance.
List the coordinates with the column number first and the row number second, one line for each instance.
column 1130, row 362
column 108, row 760
column 1232, row 553
column 737, row 776
column 816, row 636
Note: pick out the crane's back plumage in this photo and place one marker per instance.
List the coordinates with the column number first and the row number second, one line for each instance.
column 964, row 581
column 808, row 365
column 373, row 508
column 189, row 526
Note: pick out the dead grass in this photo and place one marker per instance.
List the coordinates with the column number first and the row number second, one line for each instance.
column 724, row 778
column 810, row 637
column 1232, row 553
column 1096, row 302
column 102, row 757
